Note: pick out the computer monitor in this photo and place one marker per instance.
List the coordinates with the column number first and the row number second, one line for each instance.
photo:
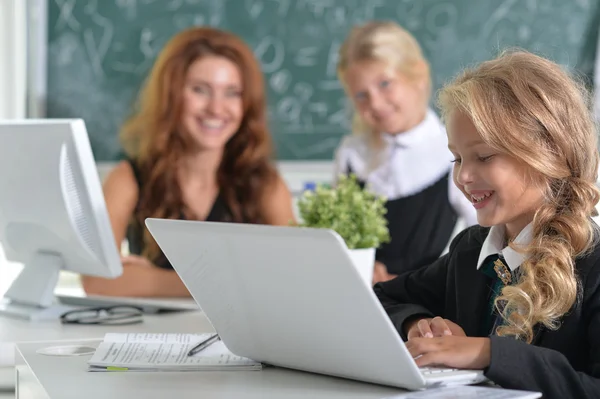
column 52, row 212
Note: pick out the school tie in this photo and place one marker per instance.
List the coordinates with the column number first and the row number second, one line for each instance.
column 495, row 268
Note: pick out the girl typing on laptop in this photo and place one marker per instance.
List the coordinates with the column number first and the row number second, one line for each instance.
column 199, row 149
column 519, row 295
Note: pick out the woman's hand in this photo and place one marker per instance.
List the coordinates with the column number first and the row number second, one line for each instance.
column 380, row 273
column 451, row 351
column 436, row 327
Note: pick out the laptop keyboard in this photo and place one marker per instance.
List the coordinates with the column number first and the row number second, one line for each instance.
column 436, row 370
column 466, row 391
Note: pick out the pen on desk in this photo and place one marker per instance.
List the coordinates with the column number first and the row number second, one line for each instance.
column 204, row 344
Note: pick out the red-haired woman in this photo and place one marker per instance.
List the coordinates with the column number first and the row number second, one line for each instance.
column 199, row 149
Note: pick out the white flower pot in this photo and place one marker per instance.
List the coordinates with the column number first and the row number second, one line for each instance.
column 364, row 261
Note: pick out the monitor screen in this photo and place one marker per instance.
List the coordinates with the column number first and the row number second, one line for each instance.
column 52, row 212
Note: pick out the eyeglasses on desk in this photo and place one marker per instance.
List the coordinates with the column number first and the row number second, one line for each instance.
column 111, row 315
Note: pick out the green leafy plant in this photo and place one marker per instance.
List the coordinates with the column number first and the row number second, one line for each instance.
column 356, row 214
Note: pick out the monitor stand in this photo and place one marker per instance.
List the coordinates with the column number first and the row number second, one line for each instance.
column 31, row 295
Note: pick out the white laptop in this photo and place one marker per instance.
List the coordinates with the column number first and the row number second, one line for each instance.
column 290, row 297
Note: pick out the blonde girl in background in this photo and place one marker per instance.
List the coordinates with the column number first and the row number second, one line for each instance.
column 398, row 148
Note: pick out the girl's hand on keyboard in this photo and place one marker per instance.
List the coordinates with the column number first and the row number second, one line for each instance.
column 451, row 351
column 436, row 327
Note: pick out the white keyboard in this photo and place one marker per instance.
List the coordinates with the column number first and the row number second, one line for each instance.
column 451, row 376
column 468, row 392
column 435, row 370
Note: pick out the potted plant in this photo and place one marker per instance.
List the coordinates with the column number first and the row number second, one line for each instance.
column 356, row 214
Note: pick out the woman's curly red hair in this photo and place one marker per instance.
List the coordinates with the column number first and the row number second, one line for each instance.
column 153, row 139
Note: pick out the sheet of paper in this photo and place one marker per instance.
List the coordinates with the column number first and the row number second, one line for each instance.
column 156, row 338
column 165, row 355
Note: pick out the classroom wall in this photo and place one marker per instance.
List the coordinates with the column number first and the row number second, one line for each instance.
column 13, row 53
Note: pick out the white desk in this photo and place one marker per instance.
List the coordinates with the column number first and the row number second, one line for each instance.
column 66, row 377
column 41, row 376
column 15, row 330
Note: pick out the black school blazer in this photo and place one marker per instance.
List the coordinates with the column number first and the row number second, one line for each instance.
column 564, row 363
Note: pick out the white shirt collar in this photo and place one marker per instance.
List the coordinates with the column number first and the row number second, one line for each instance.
column 391, row 171
column 494, row 245
column 428, row 127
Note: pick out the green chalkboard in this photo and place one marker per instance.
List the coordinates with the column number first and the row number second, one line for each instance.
column 100, row 51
